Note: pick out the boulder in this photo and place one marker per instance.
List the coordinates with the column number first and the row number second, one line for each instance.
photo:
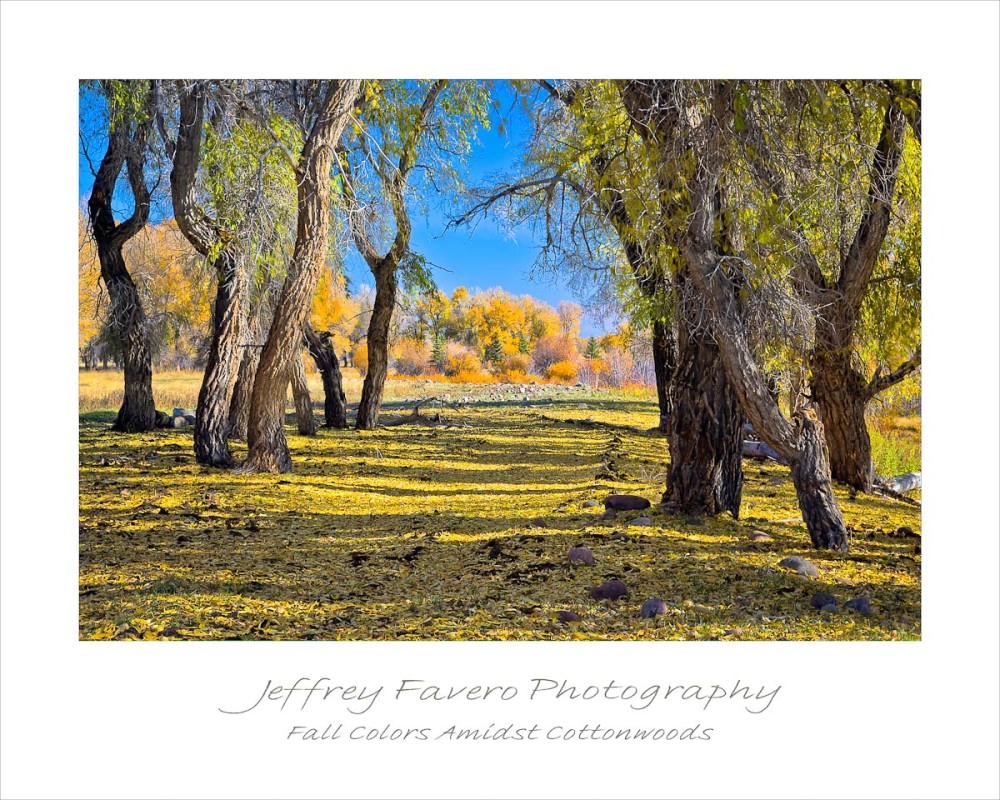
column 859, row 604
column 567, row 616
column 163, row 420
column 641, row 521
column 821, row 600
column 581, row 555
column 609, row 590
column 800, row 565
column 652, row 607
column 190, row 418
column 180, row 422
column 590, row 504
column 625, row 502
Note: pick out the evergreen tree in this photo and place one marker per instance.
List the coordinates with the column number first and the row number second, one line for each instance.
column 437, row 351
column 493, row 354
column 523, row 347
column 593, row 349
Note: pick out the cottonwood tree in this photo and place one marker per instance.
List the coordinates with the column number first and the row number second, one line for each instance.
column 397, row 122
column 847, row 183
column 129, row 107
column 716, row 275
column 321, row 110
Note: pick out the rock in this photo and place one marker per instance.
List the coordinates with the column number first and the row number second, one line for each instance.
column 180, row 422
column 907, row 532
column 694, row 521
column 822, row 599
column 163, row 420
column 581, row 555
column 590, row 504
column 733, row 632
column 609, row 590
column 179, row 412
column 567, row 616
column 625, row 502
column 760, row 536
column 859, row 604
column 800, row 565
column 642, row 521
column 190, row 418
column 830, row 607
column 609, row 515
column 618, row 536
column 539, row 522
column 652, row 607
column 582, row 406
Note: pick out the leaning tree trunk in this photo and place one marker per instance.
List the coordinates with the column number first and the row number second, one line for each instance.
column 841, row 394
column 268, row 448
column 211, row 428
column 813, row 487
column 128, row 320
column 706, row 430
column 304, row 420
column 378, row 347
column 664, row 364
column 334, row 400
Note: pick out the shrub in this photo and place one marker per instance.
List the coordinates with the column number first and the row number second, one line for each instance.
column 459, row 358
column 562, row 371
column 550, row 350
column 412, row 356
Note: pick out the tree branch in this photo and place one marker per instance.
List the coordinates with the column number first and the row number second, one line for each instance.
column 879, row 383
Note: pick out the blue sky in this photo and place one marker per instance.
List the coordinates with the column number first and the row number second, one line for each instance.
column 480, row 257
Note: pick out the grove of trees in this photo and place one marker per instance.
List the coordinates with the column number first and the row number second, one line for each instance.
column 760, row 238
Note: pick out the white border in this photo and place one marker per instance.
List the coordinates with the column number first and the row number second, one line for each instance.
column 131, row 720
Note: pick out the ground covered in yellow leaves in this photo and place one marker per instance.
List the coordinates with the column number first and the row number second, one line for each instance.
column 421, row 532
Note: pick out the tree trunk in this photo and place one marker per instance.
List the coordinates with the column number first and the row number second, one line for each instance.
column 239, row 406
column 137, row 412
column 706, row 430
column 211, row 427
column 813, row 487
column 841, row 393
column 334, row 400
column 128, row 320
column 378, row 347
column 268, row 448
column 304, row 420
column 664, row 364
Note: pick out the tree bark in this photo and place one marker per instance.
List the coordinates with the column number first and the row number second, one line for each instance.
column 706, row 430
column 840, row 393
column 378, row 348
column 128, row 319
column 268, row 448
column 239, row 406
column 334, row 400
column 211, row 428
column 813, row 487
column 304, row 420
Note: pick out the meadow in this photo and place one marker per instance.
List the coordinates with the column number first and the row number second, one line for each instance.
column 461, row 530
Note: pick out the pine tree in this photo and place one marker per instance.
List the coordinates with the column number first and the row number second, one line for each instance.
column 493, row 354
column 437, row 351
column 523, row 347
column 593, row 349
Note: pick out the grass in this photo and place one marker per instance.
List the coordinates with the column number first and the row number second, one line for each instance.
column 421, row 532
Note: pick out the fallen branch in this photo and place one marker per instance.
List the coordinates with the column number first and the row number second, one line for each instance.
column 762, row 451
column 414, row 415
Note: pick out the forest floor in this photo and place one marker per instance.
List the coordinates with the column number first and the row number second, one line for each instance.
column 461, row 531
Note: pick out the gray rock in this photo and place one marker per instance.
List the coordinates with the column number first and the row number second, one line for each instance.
column 581, row 555
column 800, row 565
column 567, row 616
column 626, row 502
column 178, row 412
column 652, row 607
column 907, row 532
column 859, row 604
column 590, row 504
column 609, row 515
column 180, row 422
column 609, row 590
column 830, row 607
column 760, row 536
column 163, row 420
column 642, row 521
column 539, row 522
column 822, row 600
column 190, row 418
